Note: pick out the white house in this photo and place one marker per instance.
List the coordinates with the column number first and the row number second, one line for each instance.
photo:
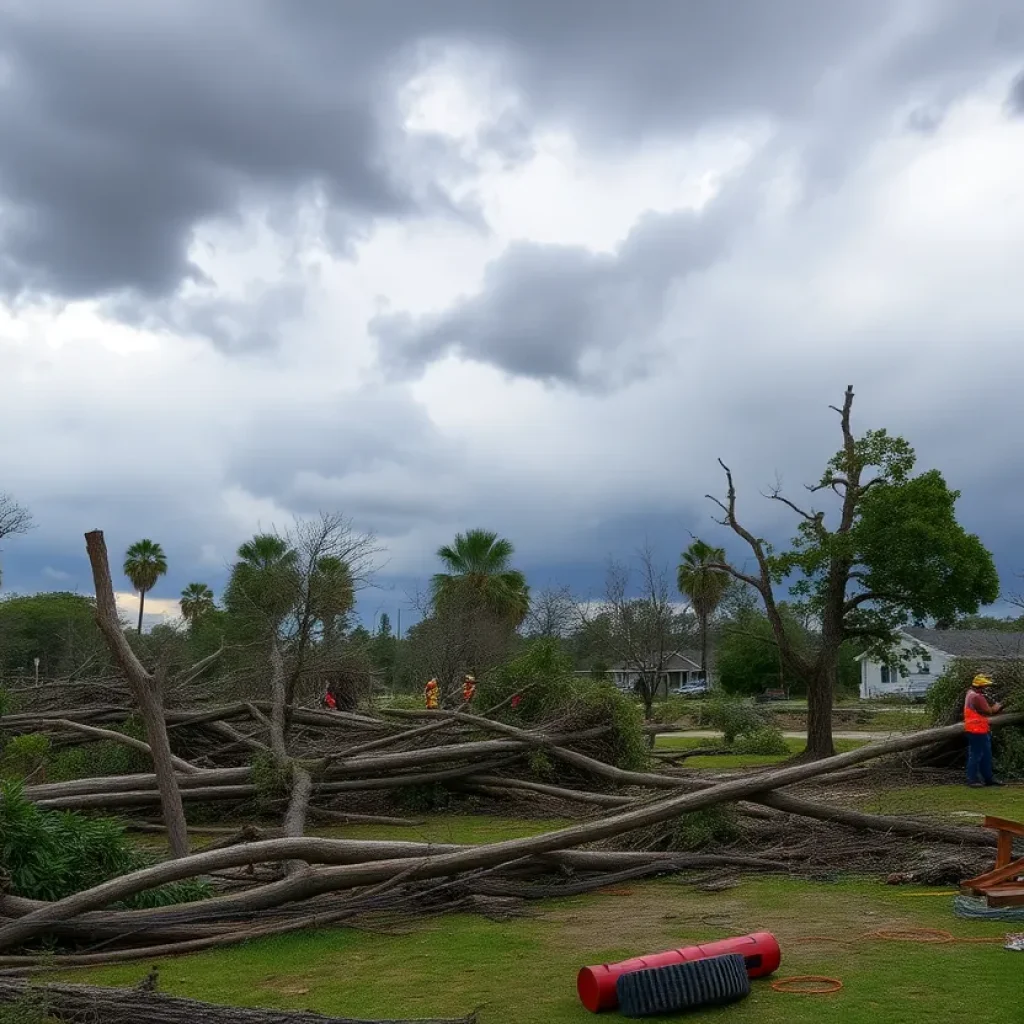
column 914, row 675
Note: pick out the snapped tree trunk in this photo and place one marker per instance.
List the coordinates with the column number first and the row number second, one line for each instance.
column 147, row 691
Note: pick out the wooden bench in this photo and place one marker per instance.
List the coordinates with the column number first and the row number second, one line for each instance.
column 1003, row 886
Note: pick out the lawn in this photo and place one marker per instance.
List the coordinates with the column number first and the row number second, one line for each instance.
column 956, row 802
column 725, row 762
column 523, row 971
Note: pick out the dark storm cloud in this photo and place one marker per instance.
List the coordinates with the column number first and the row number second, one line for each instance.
column 125, row 125
column 564, row 313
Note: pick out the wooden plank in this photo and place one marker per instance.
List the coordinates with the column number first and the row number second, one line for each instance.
column 996, row 875
column 1004, row 848
column 1004, row 825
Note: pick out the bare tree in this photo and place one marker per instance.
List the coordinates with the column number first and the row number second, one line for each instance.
column 553, row 614
column 646, row 627
column 454, row 638
column 147, row 689
column 15, row 519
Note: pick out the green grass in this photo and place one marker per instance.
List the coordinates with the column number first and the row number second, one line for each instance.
column 725, row 762
column 523, row 971
column 955, row 802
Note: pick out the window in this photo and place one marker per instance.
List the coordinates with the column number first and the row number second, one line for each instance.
column 889, row 675
column 923, row 668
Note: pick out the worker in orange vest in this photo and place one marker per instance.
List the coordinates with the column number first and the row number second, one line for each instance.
column 430, row 694
column 977, row 711
column 468, row 689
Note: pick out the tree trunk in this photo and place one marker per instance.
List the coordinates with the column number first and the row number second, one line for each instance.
column 704, row 645
column 142, row 604
column 820, row 696
column 146, row 688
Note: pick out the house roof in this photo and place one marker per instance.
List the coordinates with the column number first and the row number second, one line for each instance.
column 987, row 644
column 685, row 661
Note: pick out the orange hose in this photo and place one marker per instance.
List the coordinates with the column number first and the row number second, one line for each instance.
column 910, row 935
column 826, row 986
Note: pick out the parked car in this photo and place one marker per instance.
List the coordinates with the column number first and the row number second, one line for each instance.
column 695, row 689
column 768, row 695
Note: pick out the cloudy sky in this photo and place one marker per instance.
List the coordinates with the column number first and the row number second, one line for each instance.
column 528, row 266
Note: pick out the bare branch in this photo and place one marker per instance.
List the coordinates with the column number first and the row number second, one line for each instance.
column 14, row 518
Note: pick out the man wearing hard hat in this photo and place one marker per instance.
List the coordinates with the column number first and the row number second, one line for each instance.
column 977, row 711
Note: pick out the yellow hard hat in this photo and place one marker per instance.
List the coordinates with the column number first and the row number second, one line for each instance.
column 981, row 681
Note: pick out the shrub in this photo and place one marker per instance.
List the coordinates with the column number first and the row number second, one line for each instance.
column 699, row 830
column 551, row 694
column 766, row 740
column 47, row 855
column 732, row 716
column 423, row 799
column 24, row 755
column 672, row 710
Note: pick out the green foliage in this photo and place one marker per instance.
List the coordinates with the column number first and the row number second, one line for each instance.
column 102, row 759
column 919, row 556
column 731, row 715
column 673, row 709
column 265, row 582
column 7, row 702
column 1008, row 753
column 478, row 566
column 29, row 1009
column 423, row 799
column 271, row 779
column 766, row 741
column 196, row 602
column 542, row 676
column 24, row 755
column 48, row 855
column 57, row 628
column 144, row 563
column 712, row 827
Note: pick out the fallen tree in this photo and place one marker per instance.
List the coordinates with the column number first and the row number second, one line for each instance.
column 141, row 1005
column 333, row 867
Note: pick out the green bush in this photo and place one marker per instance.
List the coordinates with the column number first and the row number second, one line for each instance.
column 673, row 709
column 24, row 755
column 732, row 716
column 699, row 830
column 766, row 741
column 29, row 1009
column 551, row 694
column 423, row 799
column 47, row 855
column 1008, row 753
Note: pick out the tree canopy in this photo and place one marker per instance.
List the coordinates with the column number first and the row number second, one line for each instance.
column 892, row 552
column 196, row 602
column 699, row 579
column 478, row 569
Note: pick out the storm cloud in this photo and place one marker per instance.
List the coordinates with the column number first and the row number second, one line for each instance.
column 530, row 266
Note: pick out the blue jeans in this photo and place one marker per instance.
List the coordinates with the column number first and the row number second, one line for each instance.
column 979, row 757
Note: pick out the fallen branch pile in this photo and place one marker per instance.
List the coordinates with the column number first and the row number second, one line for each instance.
column 273, row 886
column 78, row 1004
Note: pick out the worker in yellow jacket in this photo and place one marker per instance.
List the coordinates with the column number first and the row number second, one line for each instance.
column 431, row 694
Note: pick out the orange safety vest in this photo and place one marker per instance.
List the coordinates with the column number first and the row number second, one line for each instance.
column 430, row 692
column 468, row 692
column 974, row 721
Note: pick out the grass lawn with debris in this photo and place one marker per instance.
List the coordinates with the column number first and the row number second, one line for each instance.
column 523, row 971
column 726, row 762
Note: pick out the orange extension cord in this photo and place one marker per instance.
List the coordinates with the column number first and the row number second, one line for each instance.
column 826, row 986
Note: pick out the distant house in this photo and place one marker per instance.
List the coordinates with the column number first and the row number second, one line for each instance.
column 914, row 677
column 679, row 668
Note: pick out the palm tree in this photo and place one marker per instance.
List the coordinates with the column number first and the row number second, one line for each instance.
column 478, row 568
column 265, row 579
column 704, row 585
column 196, row 601
column 144, row 563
